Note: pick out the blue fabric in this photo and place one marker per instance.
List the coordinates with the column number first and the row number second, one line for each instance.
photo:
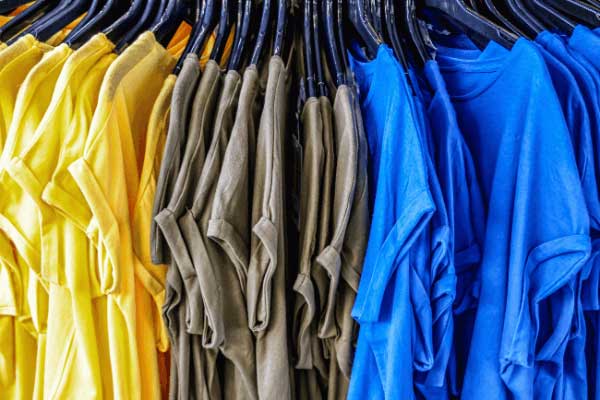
column 537, row 229
column 392, row 301
column 437, row 275
column 583, row 46
column 466, row 214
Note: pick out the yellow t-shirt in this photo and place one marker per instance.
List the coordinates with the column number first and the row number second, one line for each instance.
column 108, row 176
column 15, row 63
column 31, row 101
column 150, row 285
column 72, row 366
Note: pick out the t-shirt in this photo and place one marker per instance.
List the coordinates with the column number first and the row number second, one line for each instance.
column 183, row 96
column 64, row 248
column 389, row 294
column 537, row 235
column 15, row 63
column 107, row 173
column 437, row 276
column 267, row 269
column 466, row 213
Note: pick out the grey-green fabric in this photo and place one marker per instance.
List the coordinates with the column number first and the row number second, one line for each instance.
column 200, row 320
column 349, row 124
column 221, row 292
column 267, row 279
column 183, row 95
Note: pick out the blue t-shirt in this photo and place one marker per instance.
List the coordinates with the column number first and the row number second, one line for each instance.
column 389, row 296
column 466, row 213
column 537, row 227
column 438, row 276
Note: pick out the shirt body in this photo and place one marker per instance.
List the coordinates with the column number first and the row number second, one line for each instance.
column 402, row 208
column 518, row 252
column 117, row 138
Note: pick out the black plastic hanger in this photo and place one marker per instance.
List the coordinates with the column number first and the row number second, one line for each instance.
column 579, row 11
column 341, row 41
column 26, row 18
column 504, row 19
column 126, row 22
column 393, row 32
column 244, row 14
column 331, row 47
column 94, row 9
column 8, row 6
column 365, row 30
column 375, row 16
column 456, row 10
column 522, row 17
column 111, row 11
column 316, row 36
column 308, row 48
column 162, row 8
column 265, row 19
column 69, row 12
column 222, row 31
column 169, row 21
column 593, row 3
column 201, row 32
column 282, row 12
column 414, row 37
column 150, row 9
column 549, row 16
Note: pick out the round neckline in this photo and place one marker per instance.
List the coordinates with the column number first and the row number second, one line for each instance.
column 495, row 66
column 368, row 69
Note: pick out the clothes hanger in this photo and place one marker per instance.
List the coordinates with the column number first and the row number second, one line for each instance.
column 375, row 14
column 456, row 10
column 169, row 21
column 523, row 17
column 308, row 48
column 143, row 23
column 201, row 33
column 549, row 16
column 332, row 51
column 265, row 19
column 162, row 8
column 593, row 3
column 282, row 11
column 420, row 54
column 502, row 19
column 222, row 31
column 59, row 18
column 127, row 22
column 244, row 14
column 365, row 30
column 316, row 36
column 94, row 9
column 339, row 12
column 389, row 12
column 109, row 13
column 579, row 11
column 8, row 6
column 24, row 19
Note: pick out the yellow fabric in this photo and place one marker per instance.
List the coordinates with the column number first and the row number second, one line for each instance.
column 108, row 177
column 72, row 366
column 20, row 9
column 30, row 104
column 150, row 285
column 18, row 347
column 15, row 63
column 4, row 19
